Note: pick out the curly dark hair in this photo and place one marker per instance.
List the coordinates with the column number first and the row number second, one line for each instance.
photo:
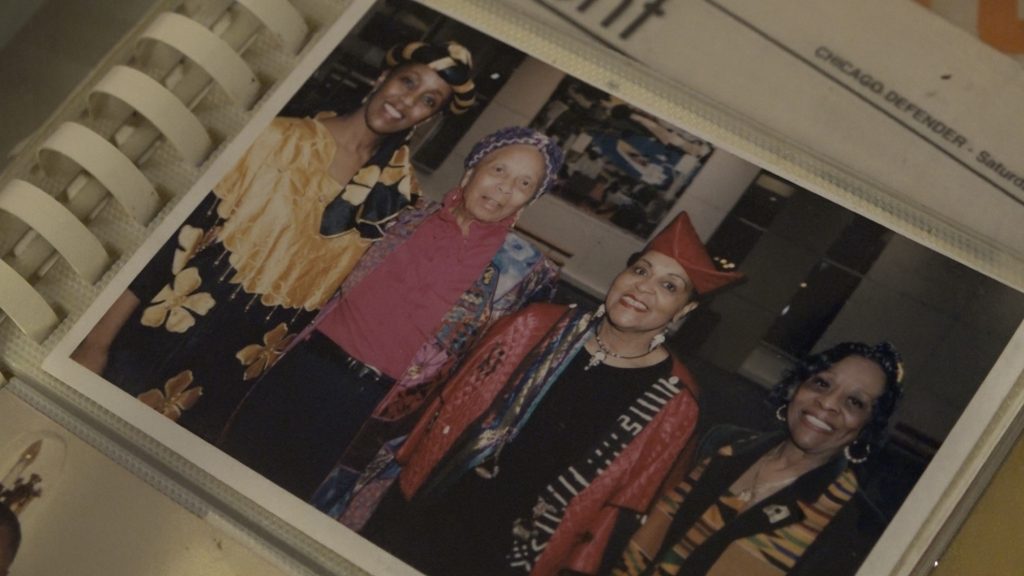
column 884, row 355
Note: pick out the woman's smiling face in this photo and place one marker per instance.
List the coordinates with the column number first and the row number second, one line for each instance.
column 405, row 97
column 829, row 409
column 649, row 294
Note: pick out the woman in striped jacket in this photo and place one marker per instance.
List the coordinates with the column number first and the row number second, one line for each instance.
column 781, row 503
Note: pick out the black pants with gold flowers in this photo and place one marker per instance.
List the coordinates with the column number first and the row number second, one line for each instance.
column 301, row 416
column 197, row 342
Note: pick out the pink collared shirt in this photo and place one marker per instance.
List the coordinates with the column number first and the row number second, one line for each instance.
column 386, row 318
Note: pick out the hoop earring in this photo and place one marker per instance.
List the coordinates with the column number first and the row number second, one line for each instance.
column 856, row 459
column 780, row 413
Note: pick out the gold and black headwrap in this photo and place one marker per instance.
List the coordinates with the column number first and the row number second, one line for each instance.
column 385, row 184
column 452, row 62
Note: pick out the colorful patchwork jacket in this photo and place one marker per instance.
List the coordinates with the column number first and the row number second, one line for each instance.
column 491, row 397
column 517, row 275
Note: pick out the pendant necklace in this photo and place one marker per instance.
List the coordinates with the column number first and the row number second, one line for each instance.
column 604, row 352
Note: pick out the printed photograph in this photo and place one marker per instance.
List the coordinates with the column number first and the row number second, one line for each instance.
column 496, row 320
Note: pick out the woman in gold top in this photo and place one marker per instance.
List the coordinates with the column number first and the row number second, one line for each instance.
column 253, row 263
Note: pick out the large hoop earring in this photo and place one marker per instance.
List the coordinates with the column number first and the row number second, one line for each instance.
column 780, row 413
column 856, row 459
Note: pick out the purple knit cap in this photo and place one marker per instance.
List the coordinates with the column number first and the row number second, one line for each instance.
column 552, row 154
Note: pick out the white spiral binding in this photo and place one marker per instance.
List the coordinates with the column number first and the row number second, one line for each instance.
column 209, row 52
column 54, row 222
column 105, row 163
column 158, row 105
column 22, row 304
column 281, row 18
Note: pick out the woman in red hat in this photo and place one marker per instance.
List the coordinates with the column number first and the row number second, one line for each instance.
column 561, row 423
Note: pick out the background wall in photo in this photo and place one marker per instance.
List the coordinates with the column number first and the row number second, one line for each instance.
column 622, row 163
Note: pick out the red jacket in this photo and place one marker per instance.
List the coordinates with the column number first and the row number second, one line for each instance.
column 631, row 481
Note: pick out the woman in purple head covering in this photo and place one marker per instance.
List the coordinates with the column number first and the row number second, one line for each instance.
column 415, row 303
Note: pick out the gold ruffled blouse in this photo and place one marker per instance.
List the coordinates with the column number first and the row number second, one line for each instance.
column 272, row 203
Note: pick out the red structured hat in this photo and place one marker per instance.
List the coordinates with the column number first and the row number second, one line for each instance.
column 679, row 240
